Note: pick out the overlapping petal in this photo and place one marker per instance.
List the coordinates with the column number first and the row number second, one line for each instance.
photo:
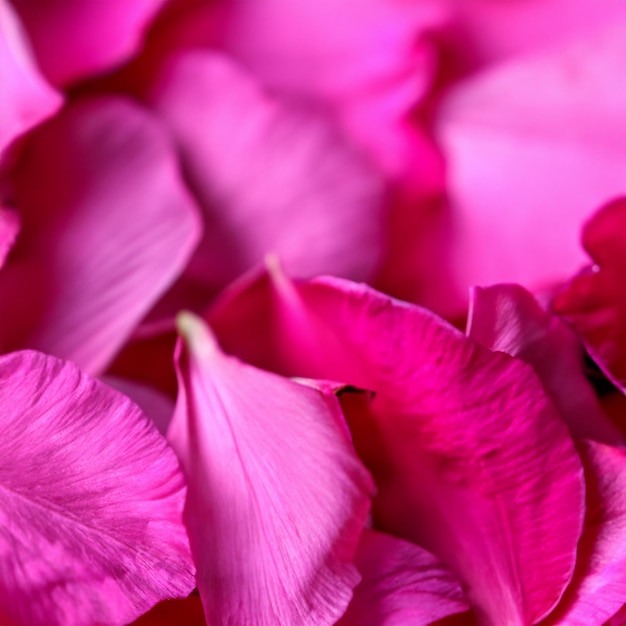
column 9, row 229
column 25, row 98
column 91, row 501
column 106, row 229
column 527, row 165
column 73, row 38
column 470, row 456
column 277, row 498
column 271, row 176
column 402, row 584
column 507, row 318
column 594, row 302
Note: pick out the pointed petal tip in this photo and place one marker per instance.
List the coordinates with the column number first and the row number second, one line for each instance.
column 196, row 334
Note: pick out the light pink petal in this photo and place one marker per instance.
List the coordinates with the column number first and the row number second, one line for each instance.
column 507, row 318
column 75, row 38
column 9, row 229
column 271, row 176
column 470, row 456
column 370, row 60
column 277, row 498
column 527, row 165
column 91, row 501
column 485, row 32
column 599, row 586
column 106, row 230
column 402, row 584
column 25, row 97
column 156, row 405
column 594, row 302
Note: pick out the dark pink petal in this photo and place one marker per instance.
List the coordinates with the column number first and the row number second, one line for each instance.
column 470, row 456
column 74, row 38
column 402, row 584
column 91, row 500
column 277, row 498
column 369, row 60
column 25, row 97
column 106, row 230
column 9, row 229
column 526, row 166
column 507, row 318
column 271, row 177
column 598, row 589
column 594, row 302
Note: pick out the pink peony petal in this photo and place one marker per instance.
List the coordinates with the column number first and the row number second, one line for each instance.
column 369, row 60
column 277, row 498
column 471, row 459
column 526, row 165
column 91, row 500
column 106, row 230
column 75, row 38
column 25, row 98
column 9, row 229
column 402, row 584
column 598, row 589
column 271, row 177
column 594, row 302
column 507, row 318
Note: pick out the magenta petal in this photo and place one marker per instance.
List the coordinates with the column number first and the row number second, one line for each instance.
column 402, row 584
column 470, row 456
column 526, row 166
column 271, row 176
column 91, row 499
column 507, row 318
column 598, row 589
column 277, row 498
column 25, row 98
column 106, row 230
column 594, row 302
column 74, row 38
column 9, row 229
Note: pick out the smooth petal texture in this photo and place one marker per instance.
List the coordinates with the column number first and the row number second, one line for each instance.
column 9, row 229
column 525, row 167
column 470, row 457
column 402, row 584
column 594, row 302
column 599, row 586
column 106, row 230
column 74, row 38
column 25, row 97
column 277, row 498
column 370, row 60
column 507, row 318
column 91, row 501
column 270, row 176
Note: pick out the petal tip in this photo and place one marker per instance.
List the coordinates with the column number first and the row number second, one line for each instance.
column 196, row 335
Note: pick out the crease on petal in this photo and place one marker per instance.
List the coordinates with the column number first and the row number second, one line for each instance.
column 507, row 318
column 106, row 230
column 276, row 499
column 91, row 501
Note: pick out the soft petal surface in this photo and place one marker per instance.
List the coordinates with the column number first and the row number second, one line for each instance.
column 277, row 498
column 370, row 60
column 599, row 586
column 185, row 612
column 526, row 166
column 9, row 229
column 91, row 501
column 594, row 302
column 507, row 318
column 105, row 231
column 271, row 176
column 25, row 98
column 402, row 584
column 75, row 38
column 471, row 459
